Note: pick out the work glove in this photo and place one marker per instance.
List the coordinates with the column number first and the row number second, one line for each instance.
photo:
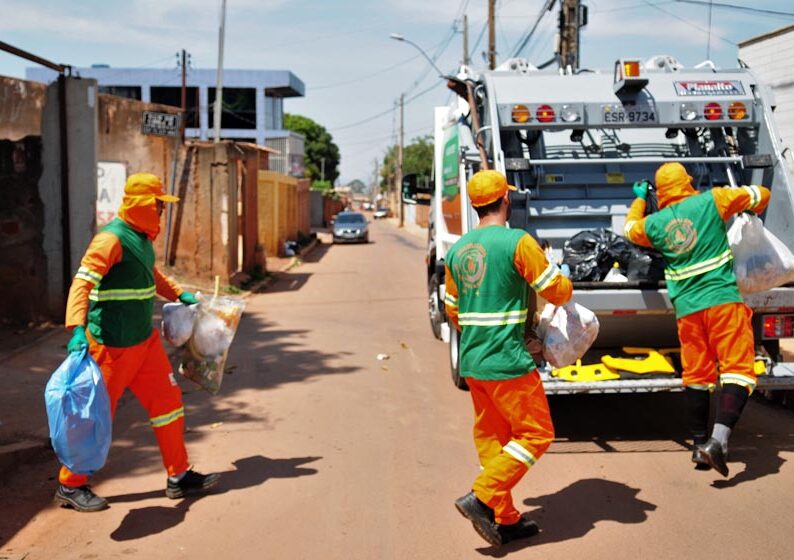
column 78, row 342
column 640, row 189
column 187, row 298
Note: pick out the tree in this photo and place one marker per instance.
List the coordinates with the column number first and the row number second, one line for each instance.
column 357, row 186
column 319, row 145
column 417, row 158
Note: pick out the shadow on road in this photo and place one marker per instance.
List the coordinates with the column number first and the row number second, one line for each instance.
column 574, row 511
column 248, row 472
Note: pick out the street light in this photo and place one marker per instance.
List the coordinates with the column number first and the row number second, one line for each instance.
column 402, row 39
column 398, row 37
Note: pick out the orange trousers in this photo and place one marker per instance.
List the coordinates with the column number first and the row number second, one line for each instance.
column 721, row 334
column 145, row 369
column 512, row 429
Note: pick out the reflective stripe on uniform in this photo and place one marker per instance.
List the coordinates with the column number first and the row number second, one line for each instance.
column 738, row 379
column 493, row 319
column 699, row 268
column 545, row 279
column 700, row 387
column 165, row 419
column 450, row 300
column 517, row 452
column 122, row 295
column 85, row 273
column 627, row 227
column 755, row 195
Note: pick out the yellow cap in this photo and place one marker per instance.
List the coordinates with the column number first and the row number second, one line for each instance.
column 142, row 184
column 486, row 187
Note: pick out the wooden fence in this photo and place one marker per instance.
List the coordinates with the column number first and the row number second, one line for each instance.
column 284, row 210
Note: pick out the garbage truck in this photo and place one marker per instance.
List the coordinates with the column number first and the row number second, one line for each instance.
column 574, row 143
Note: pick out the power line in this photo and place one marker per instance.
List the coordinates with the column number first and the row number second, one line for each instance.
column 523, row 42
column 686, row 21
column 736, row 7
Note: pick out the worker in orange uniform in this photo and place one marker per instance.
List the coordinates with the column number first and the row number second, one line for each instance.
column 488, row 272
column 714, row 324
column 109, row 310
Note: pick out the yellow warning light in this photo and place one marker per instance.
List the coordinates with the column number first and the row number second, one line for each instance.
column 631, row 68
column 737, row 111
column 521, row 114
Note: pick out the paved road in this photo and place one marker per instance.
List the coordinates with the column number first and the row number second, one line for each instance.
column 328, row 453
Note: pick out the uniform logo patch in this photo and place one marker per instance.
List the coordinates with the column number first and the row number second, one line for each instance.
column 681, row 236
column 172, row 378
column 471, row 265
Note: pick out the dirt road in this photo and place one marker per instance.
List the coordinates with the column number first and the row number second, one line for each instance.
column 329, row 453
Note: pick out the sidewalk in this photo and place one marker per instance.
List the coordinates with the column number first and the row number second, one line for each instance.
column 409, row 227
column 28, row 360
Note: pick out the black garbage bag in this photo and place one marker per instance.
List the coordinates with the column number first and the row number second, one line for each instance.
column 591, row 254
column 647, row 265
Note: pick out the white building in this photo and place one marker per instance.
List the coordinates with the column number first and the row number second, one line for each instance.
column 253, row 102
column 771, row 57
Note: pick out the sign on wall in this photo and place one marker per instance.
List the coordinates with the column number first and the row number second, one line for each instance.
column 160, row 124
column 111, row 177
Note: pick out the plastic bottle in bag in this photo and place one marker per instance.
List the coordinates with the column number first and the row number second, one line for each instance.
column 614, row 274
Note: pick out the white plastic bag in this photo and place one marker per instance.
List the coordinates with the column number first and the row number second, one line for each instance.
column 567, row 332
column 760, row 260
column 205, row 354
column 178, row 322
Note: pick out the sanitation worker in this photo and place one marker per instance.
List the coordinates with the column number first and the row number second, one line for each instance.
column 488, row 273
column 714, row 324
column 109, row 310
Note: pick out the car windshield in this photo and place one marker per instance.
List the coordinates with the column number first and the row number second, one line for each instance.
column 350, row 219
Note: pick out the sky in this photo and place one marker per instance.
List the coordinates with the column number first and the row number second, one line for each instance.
column 341, row 49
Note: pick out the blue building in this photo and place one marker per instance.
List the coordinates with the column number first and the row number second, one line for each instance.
column 253, row 102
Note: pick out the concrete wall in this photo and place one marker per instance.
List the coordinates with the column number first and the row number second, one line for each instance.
column 771, row 59
column 21, row 104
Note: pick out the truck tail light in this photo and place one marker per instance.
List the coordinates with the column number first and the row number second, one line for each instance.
column 545, row 114
column 712, row 111
column 521, row 114
column 778, row 326
column 737, row 111
column 631, row 68
column 689, row 112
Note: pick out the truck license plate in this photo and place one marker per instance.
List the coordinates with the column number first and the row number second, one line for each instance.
column 617, row 114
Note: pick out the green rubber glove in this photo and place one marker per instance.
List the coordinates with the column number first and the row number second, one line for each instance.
column 187, row 298
column 78, row 342
column 640, row 189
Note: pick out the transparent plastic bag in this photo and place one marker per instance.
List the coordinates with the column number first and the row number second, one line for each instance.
column 567, row 332
column 78, row 414
column 178, row 322
column 760, row 260
column 204, row 358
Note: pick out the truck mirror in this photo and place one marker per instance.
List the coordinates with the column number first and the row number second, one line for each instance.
column 416, row 189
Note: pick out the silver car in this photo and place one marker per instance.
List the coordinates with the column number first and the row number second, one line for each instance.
column 351, row 227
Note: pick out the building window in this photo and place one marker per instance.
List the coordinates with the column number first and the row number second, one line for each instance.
column 239, row 108
column 274, row 113
column 173, row 96
column 130, row 92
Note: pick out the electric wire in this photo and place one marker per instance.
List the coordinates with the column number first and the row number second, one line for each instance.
column 687, row 22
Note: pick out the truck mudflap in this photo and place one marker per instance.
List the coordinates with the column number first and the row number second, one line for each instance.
column 779, row 377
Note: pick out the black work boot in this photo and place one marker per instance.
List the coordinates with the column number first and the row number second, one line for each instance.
column 521, row 530
column 192, row 482
column 481, row 517
column 700, row 461
column 712, row 452
column 81, row 499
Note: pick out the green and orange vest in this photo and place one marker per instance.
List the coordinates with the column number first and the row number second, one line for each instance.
column 121, row 304
column 492, row 304
column 692, row 237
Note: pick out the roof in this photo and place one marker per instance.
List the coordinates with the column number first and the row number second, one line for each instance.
column 277, row 83
column 766, row 36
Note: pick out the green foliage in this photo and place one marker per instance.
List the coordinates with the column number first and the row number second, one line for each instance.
column 417, row 158
column 319, row 145
column 324, row 186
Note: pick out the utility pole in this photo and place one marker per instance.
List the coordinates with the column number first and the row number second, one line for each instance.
column 219, row 83
column 491, row 34
column 184, row 94
column 322, row 169
column 573, row 16
column 400, row 163
column 465, row 40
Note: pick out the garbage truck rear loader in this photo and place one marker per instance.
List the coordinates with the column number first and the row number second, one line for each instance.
column 574, row 144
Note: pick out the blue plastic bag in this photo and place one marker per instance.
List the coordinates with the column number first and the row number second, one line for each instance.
column 78, row 412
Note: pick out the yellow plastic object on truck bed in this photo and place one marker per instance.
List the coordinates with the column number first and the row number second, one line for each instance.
column 579, row 372
column 655, row 361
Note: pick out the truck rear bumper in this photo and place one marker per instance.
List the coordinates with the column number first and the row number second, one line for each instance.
column 781, row 377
